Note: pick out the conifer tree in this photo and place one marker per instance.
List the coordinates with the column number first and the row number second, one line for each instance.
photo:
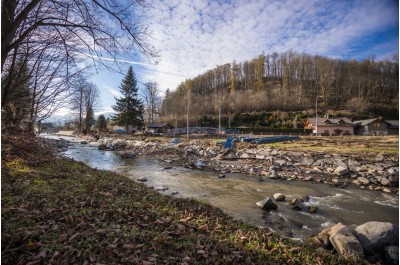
column 101, row 123
column 128, row 108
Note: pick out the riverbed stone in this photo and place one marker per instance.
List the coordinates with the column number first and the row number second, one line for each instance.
column 279, row 197
column 363, row 180
column 143, row 179
column 341, row 171
column 273, row 174
column 345, row 243
column 314, row 242
column 126, row 155
column 267, row 204
column 308, row 161
column 386, row 190
column 385, row 182
column 297, row 204
column 375, row 236
column 244, row 155
column 312, row 209
column 280, row 162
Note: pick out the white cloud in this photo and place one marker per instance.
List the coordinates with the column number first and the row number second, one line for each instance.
column 194, row 36
column 113, row 92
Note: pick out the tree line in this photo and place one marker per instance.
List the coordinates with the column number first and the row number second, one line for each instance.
column 286, row 81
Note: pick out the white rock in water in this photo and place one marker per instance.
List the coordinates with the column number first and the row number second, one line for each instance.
column 279, row 197
column 267, row 204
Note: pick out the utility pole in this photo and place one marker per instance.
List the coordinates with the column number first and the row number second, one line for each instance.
column 316, row 115
column 219, row 121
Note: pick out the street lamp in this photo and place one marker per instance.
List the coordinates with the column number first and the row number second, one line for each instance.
column 316, row 114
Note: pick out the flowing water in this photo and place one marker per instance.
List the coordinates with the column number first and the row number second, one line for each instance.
column 237, row 194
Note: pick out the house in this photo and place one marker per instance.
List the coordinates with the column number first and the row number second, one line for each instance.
column 160, row 128
column 393, row 127
column 328, row 126
column 375, row 126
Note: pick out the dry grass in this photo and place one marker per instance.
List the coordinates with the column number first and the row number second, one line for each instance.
column 344, row 145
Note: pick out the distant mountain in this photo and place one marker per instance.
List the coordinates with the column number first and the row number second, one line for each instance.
column 60, row 119
column 107, row 114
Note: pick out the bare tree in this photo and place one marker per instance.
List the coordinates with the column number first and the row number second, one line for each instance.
column 54, row 39
column 85, row 100
column 151, row 96
column 97, row 26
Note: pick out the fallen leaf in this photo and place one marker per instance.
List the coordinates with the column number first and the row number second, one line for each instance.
column 41, row 255
column 74, row 237
column 203, row 227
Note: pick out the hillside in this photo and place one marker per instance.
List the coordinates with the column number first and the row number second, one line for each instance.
column 288, row 82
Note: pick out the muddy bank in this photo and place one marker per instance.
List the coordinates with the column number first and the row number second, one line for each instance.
column 373, row 172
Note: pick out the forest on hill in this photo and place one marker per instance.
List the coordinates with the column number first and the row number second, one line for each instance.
column 286, row 83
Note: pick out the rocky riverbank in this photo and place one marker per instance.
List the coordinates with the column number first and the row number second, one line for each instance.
column 379, row 172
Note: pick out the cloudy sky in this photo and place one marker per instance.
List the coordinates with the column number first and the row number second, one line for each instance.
column 194, row 36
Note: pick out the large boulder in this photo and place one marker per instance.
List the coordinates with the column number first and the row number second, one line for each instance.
column 267, row 204
column 344, row 242
column 375, row 236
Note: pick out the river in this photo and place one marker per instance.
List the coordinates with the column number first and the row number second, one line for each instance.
column 237, row 194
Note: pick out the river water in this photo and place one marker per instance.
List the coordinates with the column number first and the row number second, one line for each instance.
column 237, row 194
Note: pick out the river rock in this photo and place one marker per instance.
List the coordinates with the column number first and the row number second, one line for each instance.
column 143, row 179
column 199, row 164
column 385, row 182
column 345, row 243
column 297, row 204
column 323, row 237
column 280, row 162
column 175, row 141
column 375, row 236
column 273, row 174
column 312, row 209
column 162, row 188
column 126, row 154
column 341, row 171
column 279, row 197
column 391, row 255
column 363, row 180
column 314, row 242
column 244, row 155
column 84, row 142
column 267, row 204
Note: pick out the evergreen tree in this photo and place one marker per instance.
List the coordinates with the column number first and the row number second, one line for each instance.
column 89, row 120
column 128, row 108
column 101, row 123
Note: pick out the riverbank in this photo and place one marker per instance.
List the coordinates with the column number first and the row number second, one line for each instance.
column 372, row 170
column 55, row 210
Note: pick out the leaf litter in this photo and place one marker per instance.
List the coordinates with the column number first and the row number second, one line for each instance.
column 59, row 211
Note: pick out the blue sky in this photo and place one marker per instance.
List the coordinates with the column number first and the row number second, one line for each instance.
column 194, row 36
